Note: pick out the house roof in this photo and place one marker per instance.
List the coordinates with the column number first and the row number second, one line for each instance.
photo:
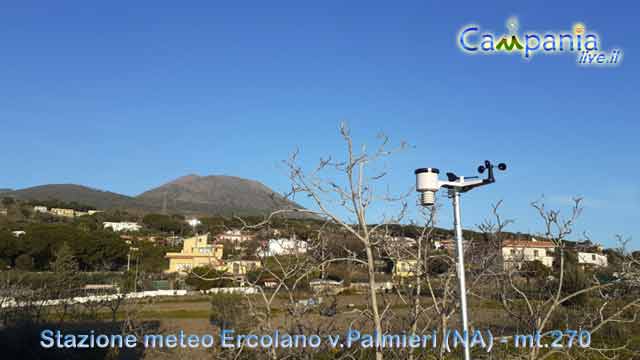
column 527, row 244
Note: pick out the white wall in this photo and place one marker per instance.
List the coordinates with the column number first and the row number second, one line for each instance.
column 527, row 254
column 592, row 258
column 278, row 247
column 121, row 226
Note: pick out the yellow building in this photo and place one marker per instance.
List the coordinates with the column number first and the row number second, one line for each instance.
column 404, row 268
column 63, row 212
column 196, row 251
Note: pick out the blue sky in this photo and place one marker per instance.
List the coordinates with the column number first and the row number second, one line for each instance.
column 125, row 96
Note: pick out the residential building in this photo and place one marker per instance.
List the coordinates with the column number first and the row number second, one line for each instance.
column 399, row 243
column 40, row 209
column 280, row 247
column 450, row 245
column 122, row 226
column 404, row 268
column 235, row 236
column 516, row 252
column 63, row 212
column 81, row 213
column 4, row 211
column 592, row 259
column 173, row 240
column 588, row 253
column 92, row 212
column 18, row 233
column 239, row 267
column 196, row 251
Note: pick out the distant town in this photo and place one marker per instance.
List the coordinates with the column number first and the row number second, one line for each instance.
column 199, row 243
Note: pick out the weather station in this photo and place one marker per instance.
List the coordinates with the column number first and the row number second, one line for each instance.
column 427, row 184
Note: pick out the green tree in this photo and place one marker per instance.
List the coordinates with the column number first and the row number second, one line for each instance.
column 65, row 278
column 163, row 223
column 534, row 270
column 42, row 240
column 93, row 250
column 204, row 277
column 152, row 257
column 437, row 266
column 65, row 266
column 24, row 262
column 9, row 247
column 575, row 279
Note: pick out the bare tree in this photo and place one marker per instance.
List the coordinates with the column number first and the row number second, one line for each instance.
column 352, row 190
column 542, row 308
column 343, row 193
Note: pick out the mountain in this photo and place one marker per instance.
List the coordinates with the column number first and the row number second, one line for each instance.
column 76, row 193
column 215, row 194
column 191, row 194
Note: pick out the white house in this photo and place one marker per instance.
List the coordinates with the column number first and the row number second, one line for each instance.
column 279, row 247
column 516, row 252
column 40, row 209
column 592, row 258
column 235, row 236
column 18, row 233
column 400, row 242
column 122, row 226
column 450, row 244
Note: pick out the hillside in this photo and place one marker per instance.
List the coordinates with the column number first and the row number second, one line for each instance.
column 216, row 194
column 192, row 194
column 77, row 193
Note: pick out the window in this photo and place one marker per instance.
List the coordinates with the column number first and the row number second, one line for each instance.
column 513, row 251
column 535, row 253
column 593, row 257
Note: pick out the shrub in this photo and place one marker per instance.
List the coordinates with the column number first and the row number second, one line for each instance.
column 24, row 262
column 227, row 311
column 203, row 278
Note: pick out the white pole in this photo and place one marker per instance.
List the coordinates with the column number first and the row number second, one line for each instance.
column 461, row 277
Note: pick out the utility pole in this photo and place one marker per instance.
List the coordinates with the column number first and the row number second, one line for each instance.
column 132, row 249
column 427, row 184
column 135, row 281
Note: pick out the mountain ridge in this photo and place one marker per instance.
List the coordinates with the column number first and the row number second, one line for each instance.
column 189, row 194
column 216, row 193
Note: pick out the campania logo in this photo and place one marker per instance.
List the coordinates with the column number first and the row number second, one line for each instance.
column 584, row 44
